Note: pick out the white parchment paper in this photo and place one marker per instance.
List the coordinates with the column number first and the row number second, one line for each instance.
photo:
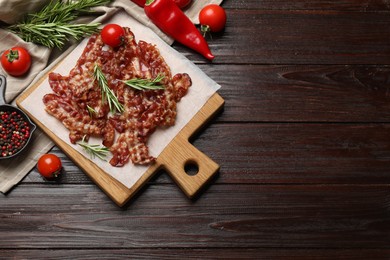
column 201, row 90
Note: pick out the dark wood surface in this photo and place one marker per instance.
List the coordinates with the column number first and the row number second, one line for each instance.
column 303, row 143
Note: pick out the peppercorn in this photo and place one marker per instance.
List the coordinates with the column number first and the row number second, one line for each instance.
column 14, row 133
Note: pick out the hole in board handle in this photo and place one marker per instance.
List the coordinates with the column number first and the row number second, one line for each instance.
column 191, row 168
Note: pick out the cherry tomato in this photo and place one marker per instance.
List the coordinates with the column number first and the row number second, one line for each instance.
column 16, row 61
column 212, row 18
column 113, row 35
column 183, row 3
column 49, row 166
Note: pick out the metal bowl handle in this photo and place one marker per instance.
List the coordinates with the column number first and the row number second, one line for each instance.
column 3, row 84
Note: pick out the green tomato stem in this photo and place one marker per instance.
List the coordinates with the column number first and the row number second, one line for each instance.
column 12, row 55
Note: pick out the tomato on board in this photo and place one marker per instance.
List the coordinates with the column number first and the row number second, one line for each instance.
column 183, row 3
column 212, row 18
column 16, row 61
column 113, row 35
column 49, row 166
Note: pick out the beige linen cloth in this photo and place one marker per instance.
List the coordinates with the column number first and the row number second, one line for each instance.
column 12, row 171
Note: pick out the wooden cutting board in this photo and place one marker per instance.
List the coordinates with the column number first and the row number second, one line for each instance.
column 175, row 157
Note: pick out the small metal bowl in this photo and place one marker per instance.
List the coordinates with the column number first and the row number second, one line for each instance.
column 10, row 109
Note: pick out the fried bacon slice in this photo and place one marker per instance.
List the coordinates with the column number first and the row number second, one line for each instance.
column 126, row 134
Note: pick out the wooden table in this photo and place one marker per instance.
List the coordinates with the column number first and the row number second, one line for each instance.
column 303, row 143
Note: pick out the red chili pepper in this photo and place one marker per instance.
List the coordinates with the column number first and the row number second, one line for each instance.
column 139, row 2
column 167, row 16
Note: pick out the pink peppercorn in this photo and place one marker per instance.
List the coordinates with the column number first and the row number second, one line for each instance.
column 14, row 133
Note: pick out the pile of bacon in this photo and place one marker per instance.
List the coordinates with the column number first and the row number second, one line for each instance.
column 126, row 133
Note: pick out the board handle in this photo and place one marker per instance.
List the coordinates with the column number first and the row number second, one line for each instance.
column 182, row 156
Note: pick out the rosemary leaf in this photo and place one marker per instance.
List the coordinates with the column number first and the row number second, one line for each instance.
column 107, row 93
column 92, row 112
column 146, row 84
column 94, row 150
column 52, row 27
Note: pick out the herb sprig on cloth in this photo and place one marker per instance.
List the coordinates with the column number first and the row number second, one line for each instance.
column 52, row 25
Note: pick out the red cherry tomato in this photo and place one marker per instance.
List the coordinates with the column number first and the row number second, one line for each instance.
column 183, row 3
column 16, row 61
column 49, row 166
column 113, row 35
column 212, row 18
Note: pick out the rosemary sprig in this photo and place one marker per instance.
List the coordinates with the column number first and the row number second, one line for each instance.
column 51, row 26
column 92, row 112
column 94, row 150
column 146, row 84
column 107, row 93
column 64, row 11
column 53, row 34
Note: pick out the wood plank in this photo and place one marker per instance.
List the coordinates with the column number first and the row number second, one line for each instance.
column 299, row 153
column 239, row 216
column 286, row 153
column 308, row 93
column 300, row 37
column 215, row 253
column 342, row 5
